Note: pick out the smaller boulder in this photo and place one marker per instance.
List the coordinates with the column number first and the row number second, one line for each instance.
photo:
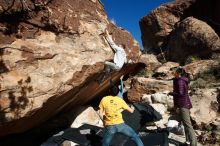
column 88, row 116
column 164, row 71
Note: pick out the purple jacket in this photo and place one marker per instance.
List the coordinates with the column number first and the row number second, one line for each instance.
column 180, row 93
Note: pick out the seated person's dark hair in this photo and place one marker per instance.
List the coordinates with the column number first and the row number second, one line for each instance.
column 126, row 77
column 114, row 90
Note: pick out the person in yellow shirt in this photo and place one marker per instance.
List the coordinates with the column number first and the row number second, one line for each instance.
column 110, row 109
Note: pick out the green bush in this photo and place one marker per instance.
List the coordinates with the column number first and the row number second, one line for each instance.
column 206, row 79
column 192, row 59
column 198, row 83
column 144, row 73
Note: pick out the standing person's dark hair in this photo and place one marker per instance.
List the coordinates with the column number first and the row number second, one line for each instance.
column 183, row 103
column 182, row 72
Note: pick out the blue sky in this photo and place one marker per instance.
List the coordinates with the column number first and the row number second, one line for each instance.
column 127, row 13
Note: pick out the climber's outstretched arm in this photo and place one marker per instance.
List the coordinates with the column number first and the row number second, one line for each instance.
column 112, row 43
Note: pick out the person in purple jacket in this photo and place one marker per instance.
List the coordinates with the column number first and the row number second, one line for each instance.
column 183, row 103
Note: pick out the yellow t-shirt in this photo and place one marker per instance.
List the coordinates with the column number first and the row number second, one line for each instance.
column 112, row 107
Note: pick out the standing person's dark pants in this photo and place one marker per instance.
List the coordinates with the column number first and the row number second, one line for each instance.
column 189, row 131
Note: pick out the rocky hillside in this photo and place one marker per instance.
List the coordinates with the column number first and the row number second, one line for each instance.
column 51, row 54
column 188, row 34
column 181, row 29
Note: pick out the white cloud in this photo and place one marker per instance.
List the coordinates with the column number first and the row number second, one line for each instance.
column 113, row 21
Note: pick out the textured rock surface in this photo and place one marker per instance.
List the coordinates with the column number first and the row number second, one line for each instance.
column 203, row 101
column 200, row 67
column 150, row 61
column 88, row 116
column 51, row 54
column 141, row 86
column 165, row 71
column 162, row 98
column 185, row 28
column 157, row 25
column 192, row 37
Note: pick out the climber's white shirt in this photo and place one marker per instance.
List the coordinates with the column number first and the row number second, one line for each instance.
column 120, row 55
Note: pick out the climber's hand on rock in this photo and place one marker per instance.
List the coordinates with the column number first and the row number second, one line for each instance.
column 106, row 32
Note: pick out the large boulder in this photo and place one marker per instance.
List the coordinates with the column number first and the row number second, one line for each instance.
column 192, row 37
column 51, row 54
column 207, row 11
column 157, row 25
column 165, row 27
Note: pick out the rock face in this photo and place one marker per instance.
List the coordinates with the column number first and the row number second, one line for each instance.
column 151, row 61
column 182, row 28
column 192, row 37
column 204, row 109
column 51, row 53
column 165, row 71
column 200, row 67
column 141, row 86
column 157, row 25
